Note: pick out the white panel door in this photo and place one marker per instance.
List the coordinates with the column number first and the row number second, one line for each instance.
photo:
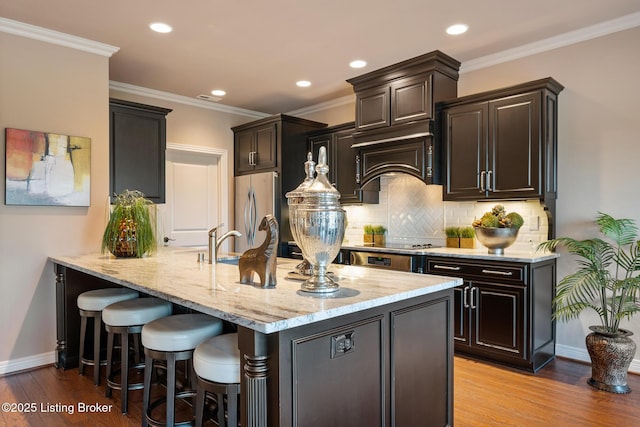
column 192, row 197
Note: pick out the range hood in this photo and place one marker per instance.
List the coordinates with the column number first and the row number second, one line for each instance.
column 396, row 123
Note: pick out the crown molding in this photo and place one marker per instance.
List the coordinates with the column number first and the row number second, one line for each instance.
column 598, row 30
column 180, row 99
column 348, row 99
column 56, row 37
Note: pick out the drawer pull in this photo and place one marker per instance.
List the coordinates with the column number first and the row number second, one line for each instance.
column 500, row 273
column 446, row 267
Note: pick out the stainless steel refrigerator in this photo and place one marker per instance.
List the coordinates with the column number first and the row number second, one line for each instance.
column 256, row 196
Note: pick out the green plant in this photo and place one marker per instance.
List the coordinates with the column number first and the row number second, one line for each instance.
column 379, row 230
column 368, row 229
column 606, row 279
column 497, row 217
column 452, row 232
column 131, row 224
column 467, row 232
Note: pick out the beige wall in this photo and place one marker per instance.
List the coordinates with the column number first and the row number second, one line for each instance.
column 599, row 141
column 56, row 89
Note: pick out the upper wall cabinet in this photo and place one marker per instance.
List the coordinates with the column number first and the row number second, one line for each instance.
column 137, row 143
column 344, row 163
column 403, row 93
column 395, row 113
column 502, row 144
column 259, row 146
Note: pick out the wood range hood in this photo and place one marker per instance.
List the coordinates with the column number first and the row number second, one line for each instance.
column 396, row 126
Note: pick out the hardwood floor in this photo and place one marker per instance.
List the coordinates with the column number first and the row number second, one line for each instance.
column 485, row 395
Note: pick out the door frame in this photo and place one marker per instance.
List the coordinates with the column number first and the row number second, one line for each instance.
column 222, row 155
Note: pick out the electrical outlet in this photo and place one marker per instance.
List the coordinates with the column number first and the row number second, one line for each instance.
column 534, row 223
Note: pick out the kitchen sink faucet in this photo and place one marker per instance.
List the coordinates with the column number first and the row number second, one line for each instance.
column 214, row 242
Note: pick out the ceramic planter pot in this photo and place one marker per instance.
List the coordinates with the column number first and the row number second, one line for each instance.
column 611, row 355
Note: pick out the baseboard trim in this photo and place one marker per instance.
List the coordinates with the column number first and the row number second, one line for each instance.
column 15, row 365
column 582, row 355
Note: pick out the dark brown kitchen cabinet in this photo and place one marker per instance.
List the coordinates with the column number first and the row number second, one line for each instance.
column 344, row 163
column 255, row 149
column 260, row 146
column 364, row 369
column 502, row 312
column 502, row 144
column 404, row 92
column 137, row 143
column 395, row 116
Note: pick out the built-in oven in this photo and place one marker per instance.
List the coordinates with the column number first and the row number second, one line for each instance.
column 389, row 261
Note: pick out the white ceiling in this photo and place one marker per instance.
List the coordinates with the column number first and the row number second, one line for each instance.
column 256, row 50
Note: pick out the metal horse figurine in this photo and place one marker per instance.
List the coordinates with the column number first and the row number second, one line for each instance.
column 262, row 259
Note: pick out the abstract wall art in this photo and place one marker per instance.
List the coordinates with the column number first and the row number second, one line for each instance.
column 47, row 169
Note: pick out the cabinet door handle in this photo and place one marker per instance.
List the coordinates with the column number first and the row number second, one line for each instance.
column 489, row 177
column 499, row 273
column 465, row 298
column 474, row 297
column 446, row 267
column 251, row 163
column 358, row 169
column 430, row 162
column 483, row 176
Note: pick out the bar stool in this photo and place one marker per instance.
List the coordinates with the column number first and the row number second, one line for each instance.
column 172, row 339
column 125, row 318
column 217, row 365
column 91, row 304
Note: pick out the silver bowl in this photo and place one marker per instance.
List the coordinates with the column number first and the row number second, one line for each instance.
column 496, row 239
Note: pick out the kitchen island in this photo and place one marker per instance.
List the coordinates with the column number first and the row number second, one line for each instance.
column 378, row 352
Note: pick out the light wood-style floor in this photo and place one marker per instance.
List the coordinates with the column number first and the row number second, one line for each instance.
column 485, row 395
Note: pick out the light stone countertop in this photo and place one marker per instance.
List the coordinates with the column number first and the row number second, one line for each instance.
column 480, row 253
column 174, row 274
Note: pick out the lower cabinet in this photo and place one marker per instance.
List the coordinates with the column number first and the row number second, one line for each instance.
column 503, row 311
column 387, row 366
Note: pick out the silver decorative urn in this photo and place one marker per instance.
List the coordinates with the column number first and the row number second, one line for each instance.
column 294, row 198
column 319, row 223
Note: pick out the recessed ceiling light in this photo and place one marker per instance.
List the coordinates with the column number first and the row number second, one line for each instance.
column 160, row 27
column 457, row 29
column 303, row 83
column 218, row 92
column 358, row 63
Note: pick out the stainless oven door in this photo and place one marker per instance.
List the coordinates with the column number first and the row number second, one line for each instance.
column 398, row 262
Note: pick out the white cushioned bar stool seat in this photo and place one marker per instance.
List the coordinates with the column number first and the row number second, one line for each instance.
column 127, row 318
column 91, row 304
column 172, row 339
column 216, row 362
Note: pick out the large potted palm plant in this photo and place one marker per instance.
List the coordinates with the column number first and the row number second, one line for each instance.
column 607, row 282
column 130, row 231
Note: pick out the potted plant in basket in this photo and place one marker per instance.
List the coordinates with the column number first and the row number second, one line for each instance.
column 453, row 236
column 607, row 282
column 467, row 237
column 130, row 230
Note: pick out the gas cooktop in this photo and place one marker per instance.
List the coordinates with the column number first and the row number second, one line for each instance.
column 404, row 246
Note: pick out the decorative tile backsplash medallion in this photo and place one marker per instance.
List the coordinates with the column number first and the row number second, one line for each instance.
column 414, row 213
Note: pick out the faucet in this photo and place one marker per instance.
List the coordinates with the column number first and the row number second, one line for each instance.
column 214, row 242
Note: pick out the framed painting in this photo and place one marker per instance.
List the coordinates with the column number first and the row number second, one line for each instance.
column 47, row 169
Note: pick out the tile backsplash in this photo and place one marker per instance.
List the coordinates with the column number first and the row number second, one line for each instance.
column 414, row 213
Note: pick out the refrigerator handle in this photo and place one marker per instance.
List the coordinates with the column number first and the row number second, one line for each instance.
column 254, row 219
column 247, row 219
